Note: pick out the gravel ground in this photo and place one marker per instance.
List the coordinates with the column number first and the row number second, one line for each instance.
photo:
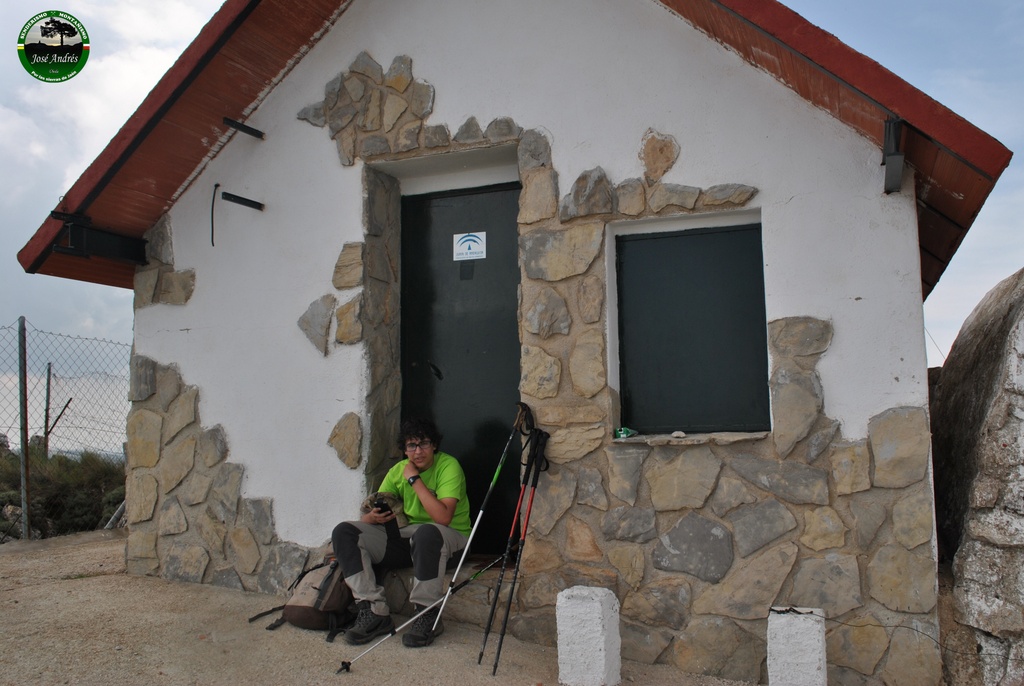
column 70, row 615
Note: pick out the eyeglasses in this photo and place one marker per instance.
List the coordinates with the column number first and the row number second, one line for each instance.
column 413, row 447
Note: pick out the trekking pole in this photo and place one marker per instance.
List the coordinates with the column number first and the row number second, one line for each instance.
column 346, row 665
column 508, row 548
column 523, row 417
column 539, row 438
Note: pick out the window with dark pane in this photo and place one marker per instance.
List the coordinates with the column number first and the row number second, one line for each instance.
column 693, row 352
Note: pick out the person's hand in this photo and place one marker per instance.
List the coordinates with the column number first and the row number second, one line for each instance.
column 410, row 470
column 377, row 516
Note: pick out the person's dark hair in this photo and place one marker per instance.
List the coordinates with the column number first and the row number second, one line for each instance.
column 419, row 428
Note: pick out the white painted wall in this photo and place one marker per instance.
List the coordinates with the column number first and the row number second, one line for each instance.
column 593, row 75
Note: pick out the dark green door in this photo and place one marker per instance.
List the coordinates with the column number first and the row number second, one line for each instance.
column 460, row 337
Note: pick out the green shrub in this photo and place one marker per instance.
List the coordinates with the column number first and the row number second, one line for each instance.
column 10, row 498
column 10, row 472
column 68, row 494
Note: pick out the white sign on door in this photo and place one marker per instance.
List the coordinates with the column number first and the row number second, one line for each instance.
column 469, row 246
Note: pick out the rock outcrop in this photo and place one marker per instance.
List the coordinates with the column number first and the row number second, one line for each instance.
column 977, row 423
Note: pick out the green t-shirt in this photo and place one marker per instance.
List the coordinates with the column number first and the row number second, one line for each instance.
column 445, row 479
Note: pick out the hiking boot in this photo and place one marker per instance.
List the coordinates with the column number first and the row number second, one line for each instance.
column 368, row 626
column 420, row 635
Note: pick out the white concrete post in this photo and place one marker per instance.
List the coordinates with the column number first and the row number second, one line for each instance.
column 796, row 647
column 589, row 645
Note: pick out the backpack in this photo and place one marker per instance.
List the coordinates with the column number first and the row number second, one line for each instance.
column 320, row 600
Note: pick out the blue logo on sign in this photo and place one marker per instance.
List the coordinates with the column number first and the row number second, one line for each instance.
column 469, row 241
column 469, row 246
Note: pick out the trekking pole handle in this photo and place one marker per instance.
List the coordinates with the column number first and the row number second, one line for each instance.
column 528, row 466
column 541, row 463
column 524, row 418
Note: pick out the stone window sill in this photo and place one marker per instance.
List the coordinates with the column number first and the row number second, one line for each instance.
column 718, row 438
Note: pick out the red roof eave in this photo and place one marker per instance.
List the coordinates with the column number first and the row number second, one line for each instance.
column 863, row 74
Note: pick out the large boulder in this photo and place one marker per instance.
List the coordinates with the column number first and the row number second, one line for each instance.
column 977, row 419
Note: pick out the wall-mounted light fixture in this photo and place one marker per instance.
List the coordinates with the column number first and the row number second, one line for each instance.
column 892, row 158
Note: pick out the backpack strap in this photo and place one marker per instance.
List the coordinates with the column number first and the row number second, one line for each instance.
column 333, row 628
column 265, row 613
column 327, row 585
column 303, row 573
column 276, row 623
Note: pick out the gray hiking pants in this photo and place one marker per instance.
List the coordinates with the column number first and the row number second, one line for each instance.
column 358, row 546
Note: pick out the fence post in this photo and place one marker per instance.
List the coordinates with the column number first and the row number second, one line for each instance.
column 46, row 412
column 26, row 531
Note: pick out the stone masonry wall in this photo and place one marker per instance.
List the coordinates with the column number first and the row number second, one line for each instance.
column 698, row 536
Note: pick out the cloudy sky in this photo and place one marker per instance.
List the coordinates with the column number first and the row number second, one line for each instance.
column 968, row 56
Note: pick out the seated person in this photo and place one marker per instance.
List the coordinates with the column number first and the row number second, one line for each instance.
column 432, row 488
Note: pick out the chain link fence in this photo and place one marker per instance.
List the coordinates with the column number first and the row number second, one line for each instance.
column 75, row 406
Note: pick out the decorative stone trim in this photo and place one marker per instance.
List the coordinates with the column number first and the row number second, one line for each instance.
column 369, row 116
column 348, row 271
column 156, row 282
column 186, row 517
column 315, row 322
column 379, row 313
column 347, row 440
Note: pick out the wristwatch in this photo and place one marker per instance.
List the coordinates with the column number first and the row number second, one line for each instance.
column 412, row 479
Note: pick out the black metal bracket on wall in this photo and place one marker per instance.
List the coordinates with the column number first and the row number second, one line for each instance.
column 79, row 238
column 231, row 197
column 244, row 128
